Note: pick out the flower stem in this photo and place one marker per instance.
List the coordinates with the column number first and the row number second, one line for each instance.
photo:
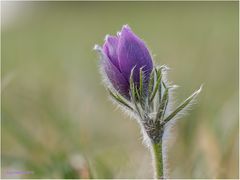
column 158, row 161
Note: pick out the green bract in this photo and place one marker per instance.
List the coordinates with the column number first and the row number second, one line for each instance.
column 152, row 107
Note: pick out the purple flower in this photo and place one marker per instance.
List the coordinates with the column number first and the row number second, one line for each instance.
column 122, row 53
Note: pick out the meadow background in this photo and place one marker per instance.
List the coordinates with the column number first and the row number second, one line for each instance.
column 56, row 118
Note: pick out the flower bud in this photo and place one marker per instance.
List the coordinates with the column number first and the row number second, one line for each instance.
column 123, row 53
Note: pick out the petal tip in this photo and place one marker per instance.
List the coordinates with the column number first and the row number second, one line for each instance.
column 97, row 48
column 126, row 28
column 118, row 34
column 106, row 37
column 127, row 31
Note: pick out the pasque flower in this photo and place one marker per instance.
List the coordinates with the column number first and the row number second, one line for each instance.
column 122, row 53
column 141, row 89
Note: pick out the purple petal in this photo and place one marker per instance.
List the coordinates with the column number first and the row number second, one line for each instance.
column 116, row 78
column 132, row 51
column 110, row 48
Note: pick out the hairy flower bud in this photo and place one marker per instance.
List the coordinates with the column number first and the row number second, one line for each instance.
column 121, row 54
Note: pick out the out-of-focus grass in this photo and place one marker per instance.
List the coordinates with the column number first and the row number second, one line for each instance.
column 56, row 119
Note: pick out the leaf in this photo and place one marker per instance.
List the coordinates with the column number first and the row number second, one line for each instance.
column 151, row 82
column 141, row 94
column 132, row 88
column 119, row 99
column 138, row 98
column 165, row 107
column 133, row 92
column 141, row 82
column 182, row 105
column 163, row 104
column 159, row 77
column 160, row 92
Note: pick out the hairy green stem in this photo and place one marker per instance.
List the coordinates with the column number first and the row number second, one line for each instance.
column 158, row 160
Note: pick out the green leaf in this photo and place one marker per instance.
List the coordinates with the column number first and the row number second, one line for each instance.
column 151, row 82
column 138, row 97
column 159, row 78
column 133, row 92
column 140, row 94
column 141, row 82
column 163, row 104
column 160, row 92
column 182, row 105
column 119, row 99
column 132, row 88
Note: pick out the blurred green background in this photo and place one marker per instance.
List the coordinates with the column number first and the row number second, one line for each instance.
column 57, row 120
